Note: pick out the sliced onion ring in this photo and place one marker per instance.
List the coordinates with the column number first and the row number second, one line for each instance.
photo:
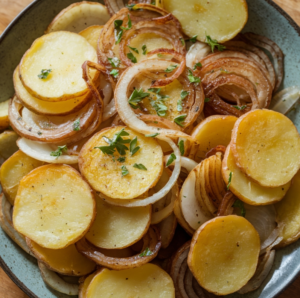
column 197, row 52
column 186, row 163
column 167, row 229
column 225, row 207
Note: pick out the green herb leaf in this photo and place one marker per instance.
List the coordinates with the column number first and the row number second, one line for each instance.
column 133, row 49
column 171, row 68
column 197, row 65
column 152, row 135
column 118, row 24
column 240, row 108
column 124, row 171
column 60, row 150
column 44, row 73
column 147, row 252
column 106, row 149
column 214, row 43
column 206, row 99
column 171, row 158
column 144, row 49
column 182, row 41
column 130, row 6
column 115, row 73
column 194, row 39
column 131, row 57
column 129, row 24
column 133, row 146
column 160, row 55
column 159, row 104
column 118, row 30
column 179, row 105
column 118, row 36
column 136, row 97
column 140, row 166
column 76, row 125
column 153, row 2
column 179, row 120
column 121, row 159
column 193, row 79
column 184, row 94
column 114, row 62
column 181, row 146
column 229, row 180
column 239, row 204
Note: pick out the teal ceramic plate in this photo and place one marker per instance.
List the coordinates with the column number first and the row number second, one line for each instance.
column 265, row 18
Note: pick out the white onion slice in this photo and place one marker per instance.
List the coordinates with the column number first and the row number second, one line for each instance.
column 186, row 163
column 109, row 110
column 57, row 283
column 197, row 51
column 42, row 151
column 180, row 279
column 167, row 229
column 188, row 284
column 285, row 100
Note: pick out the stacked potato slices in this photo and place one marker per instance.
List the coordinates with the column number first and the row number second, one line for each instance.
column 148, row 163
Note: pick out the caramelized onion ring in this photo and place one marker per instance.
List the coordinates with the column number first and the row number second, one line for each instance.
column 226, row 205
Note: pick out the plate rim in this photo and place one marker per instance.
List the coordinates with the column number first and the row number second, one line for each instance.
column 3, row 265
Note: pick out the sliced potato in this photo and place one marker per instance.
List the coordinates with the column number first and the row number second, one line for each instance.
column 147, row 281
column 13, row 170
column 105, row 174
column 79, row 16
column 8, row 145
column 54, row 206
column 266, row 146
column 91, row 34
column 4, row 122
column 66, row 261
column 118, row 227
column 246, row 189
column 221, row 20
column 84, row 282
column 224, row 254
column 213, row 131
column 288, row 214
column 63, row 53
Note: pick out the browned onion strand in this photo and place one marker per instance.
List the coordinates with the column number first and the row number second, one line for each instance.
column 114, row 6
column 226, row 205
column 213, row 151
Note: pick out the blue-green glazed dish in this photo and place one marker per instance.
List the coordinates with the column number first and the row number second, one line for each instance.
column 265, row 18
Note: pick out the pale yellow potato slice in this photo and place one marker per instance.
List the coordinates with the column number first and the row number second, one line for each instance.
column 213, row 131
column 266, row 146
column 67, row 261
column 245, row 188
column 224, row 254
column 105, row 174
column 84, row 283
column 288, row 214
column 221, row 20
column 13, row 170
column 118, row 227
column 63, row 53
column 147, row 281
column 54, row 206
column 4, row 122
column 91, row 34
column 8, row 145
column 79, row 16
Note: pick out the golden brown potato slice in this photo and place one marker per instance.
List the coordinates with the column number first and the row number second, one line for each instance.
column 116, row 177
column 222, row 20
column 118, row 227
column 91, row 34
column 67, row 261
column 54, row 206
column 4, row 122
column 13, row 170
column 246, row 189
column 224, row 254
column 147, row 281
column 8, row 145
column 84, row 282
column 51, row 69
column 266, row 146
column 213, row 131
column 288, row 214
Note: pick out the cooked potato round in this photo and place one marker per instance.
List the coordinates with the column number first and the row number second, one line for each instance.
column 224, row 254
column 266, row 146
column 288, row 213
column 118, row 227
column 221, row 20
column 213, row 131
column 13, row 170
column 248, row 190
column 91, row 34
column 83, row 284
column 4, row 122
column 66, row 261
column 61, row 54
column 54, row 206
column 8, row 145
column 147, row 281
column 104, row 172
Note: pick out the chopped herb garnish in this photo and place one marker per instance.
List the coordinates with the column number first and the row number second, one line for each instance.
column 206, row 99
column 115, row 73
column 136, row 97
column 144, row 49
column 39, row 133
column 181, row 146
column 133, row 147
column 131, row 57
column 197, row 65
column 44, row 73
column 229, row 180
column 171, row 68
column 153, row 2
column 129, row 24
column 179, row 119
column 214, row 43
column 184, row 94
column 121, row 159
column 134, row 49
column 182, row 41
column 114, row 62
column 118, row 30
column 160, row 55
column 60, row 150
column 76, row 125
column 140, row 166
column 147, row 252
column 152, row 135
column 159, row 104
column 239, row 204
column 179, row 105
column 240, row 108
column 193, row 79
column 131, row 6
column 171, row 158
column 124, row 171
column 194, row 39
